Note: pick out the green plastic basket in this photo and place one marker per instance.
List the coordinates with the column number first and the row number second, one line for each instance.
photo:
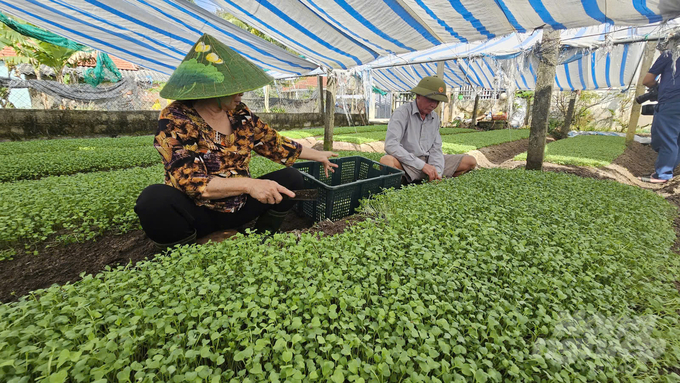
column 355, row 178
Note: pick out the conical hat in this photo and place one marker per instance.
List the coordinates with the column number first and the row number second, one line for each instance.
column 212, row 69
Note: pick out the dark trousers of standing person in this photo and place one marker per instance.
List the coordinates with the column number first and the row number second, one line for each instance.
column 169, row 217
column 666, row 138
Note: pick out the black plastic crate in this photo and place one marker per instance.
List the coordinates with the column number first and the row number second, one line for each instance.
column 355, row 178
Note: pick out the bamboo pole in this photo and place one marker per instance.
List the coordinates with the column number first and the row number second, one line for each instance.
column 331, row 85
column 266, row 98
column 526, row 116
column 647, row 59
column 570, row 114
column 321, row 103
column 440, row 74
column 452, row 103
column 475, row 110
column 542, row 97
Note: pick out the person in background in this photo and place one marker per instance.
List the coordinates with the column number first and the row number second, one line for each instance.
column 666, row 122
column 413, row 143
column 205, row 139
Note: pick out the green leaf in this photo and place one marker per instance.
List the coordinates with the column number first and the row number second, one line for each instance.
column 244, row 354
column 58, row 377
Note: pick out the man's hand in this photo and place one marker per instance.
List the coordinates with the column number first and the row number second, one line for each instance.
column 268, row 191
column 431, row 172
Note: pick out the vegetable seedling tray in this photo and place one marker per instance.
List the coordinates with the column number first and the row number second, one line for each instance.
column 355, row 178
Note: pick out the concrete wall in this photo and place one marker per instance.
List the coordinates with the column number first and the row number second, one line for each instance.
column 18, row 124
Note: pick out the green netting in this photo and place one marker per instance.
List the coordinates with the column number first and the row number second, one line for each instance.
column 379, row 91
column 105, row 70
column 41, row 34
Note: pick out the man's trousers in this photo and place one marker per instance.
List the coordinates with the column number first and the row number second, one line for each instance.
column 666, row 137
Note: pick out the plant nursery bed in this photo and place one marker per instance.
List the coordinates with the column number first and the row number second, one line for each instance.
column 494, row 276
column 60, row 264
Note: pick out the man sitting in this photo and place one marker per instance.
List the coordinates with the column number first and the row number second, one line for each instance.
column 413, row 143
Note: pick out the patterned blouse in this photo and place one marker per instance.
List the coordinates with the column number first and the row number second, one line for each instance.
column 193, row 153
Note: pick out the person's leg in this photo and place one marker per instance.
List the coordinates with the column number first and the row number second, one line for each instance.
column 271, row 219
column 458, row 164
column 169, row 217
column 467, row 163
column 391, row 161
column 667, row 130
column 676, row 117
column 411, row 175
column 656, row 140
column 270, row 216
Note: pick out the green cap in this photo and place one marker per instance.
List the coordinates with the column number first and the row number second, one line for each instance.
column 210, row 70
column 433, row 88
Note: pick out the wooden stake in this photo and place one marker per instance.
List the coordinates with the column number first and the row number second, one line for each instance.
column 526, row 116
column 321, row 91
column 570, row 114
column 331, row 85
column 475, row 110
column 550, row 45
column 440, row 74
column 266, row 98
column 452, row 103
column 639, row 89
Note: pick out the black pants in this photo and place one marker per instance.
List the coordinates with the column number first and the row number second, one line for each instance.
column 168, row 215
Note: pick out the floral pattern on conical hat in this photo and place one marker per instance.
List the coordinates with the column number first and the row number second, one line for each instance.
column 212, row 69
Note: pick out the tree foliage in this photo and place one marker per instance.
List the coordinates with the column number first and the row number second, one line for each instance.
column 36, row 53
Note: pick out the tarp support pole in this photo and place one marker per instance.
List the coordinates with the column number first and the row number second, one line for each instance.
column 475, row 110
column 321, row 103
column 570, row 114
column 266, row 98
column 331, row 85
column 647, row 58
column 528, row 114
column 449, row 111
column 550, row 45
column 440, row 74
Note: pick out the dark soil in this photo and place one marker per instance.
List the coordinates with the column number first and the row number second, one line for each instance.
column 500, row 153
column 65, row 263
column 638, row 159
column 330, row 228
column 61, row 264
column 505, row 151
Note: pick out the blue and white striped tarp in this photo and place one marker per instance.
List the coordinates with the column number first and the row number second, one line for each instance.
column 346, row 33
column 155, row 34
column 590, row 61
column 599, row 69
column 479, row 72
